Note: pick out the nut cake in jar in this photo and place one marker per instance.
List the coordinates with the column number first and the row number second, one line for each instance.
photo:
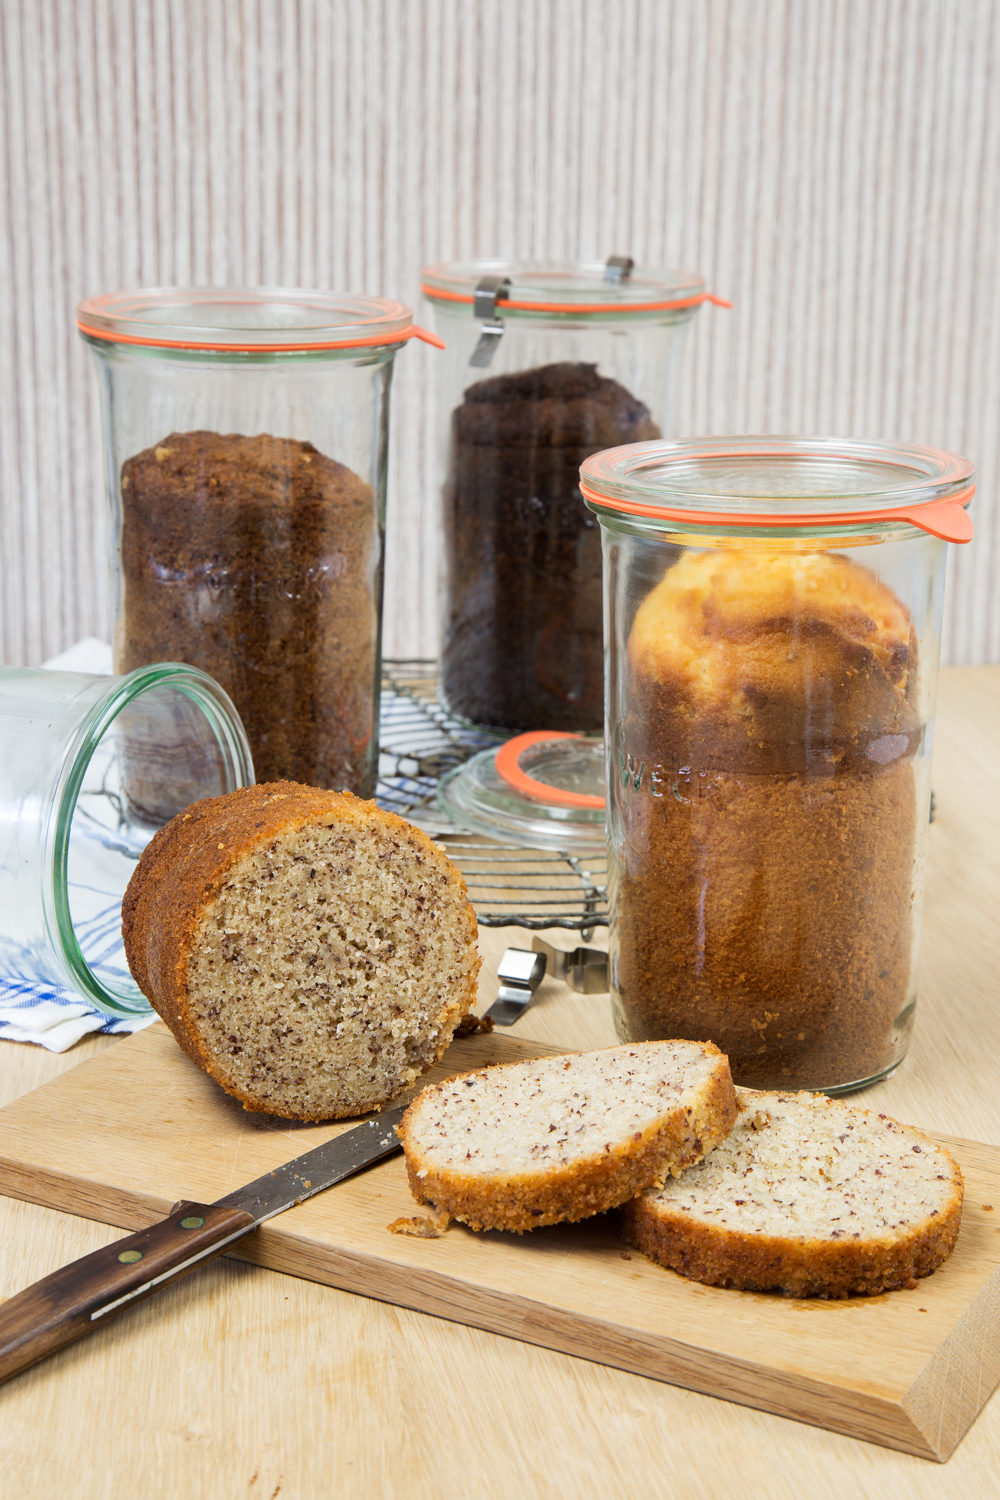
column 246, row 435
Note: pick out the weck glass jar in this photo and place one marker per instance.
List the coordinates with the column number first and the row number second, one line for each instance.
column 773, row 624
column 90, row 767
column 246, row 436
column 545, row 364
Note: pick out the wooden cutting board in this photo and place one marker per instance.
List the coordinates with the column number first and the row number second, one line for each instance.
column 124, row 1136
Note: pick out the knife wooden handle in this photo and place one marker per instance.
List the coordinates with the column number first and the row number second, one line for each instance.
column 84, row 1295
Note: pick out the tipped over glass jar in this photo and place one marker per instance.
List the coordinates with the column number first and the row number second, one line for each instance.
column 774, row 610
column 90, row 767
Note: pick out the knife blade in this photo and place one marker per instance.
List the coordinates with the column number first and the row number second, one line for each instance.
column 78, row 1298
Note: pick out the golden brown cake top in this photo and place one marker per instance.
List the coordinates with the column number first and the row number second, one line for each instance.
column 720, row 622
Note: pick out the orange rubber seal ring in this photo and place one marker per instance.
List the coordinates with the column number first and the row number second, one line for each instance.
column 508, row 765
column 945, row 518
column 373, row 340
column 579, row 307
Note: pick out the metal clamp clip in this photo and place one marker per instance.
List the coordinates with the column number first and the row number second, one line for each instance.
column 584, row 969
column 618, row 268
column 520, row 974
column 490, row 291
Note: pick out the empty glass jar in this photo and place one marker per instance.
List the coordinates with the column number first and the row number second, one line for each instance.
column 90, row 767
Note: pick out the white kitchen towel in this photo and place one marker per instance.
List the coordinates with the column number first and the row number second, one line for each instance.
column 53, row 1017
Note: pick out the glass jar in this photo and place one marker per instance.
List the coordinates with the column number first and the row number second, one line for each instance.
column 90, row 766
column 774, row 610
column 545, row 364
column 246, row 436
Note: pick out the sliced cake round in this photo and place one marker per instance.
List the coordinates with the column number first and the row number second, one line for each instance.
column 807, row 1196
column 309, row 951
column 526, row 1144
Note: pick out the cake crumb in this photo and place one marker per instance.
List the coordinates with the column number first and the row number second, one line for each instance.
column 470, row 1023
column 420, row 1226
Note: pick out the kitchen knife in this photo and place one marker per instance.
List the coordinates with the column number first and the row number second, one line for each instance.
column 88, row 1293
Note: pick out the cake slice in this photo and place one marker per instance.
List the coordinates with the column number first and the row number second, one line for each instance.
column 309, row 951
column 526, row 1144
column 809, row 1197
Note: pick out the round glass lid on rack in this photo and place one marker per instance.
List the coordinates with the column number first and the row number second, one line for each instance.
column 511, row 882
column 544, row 789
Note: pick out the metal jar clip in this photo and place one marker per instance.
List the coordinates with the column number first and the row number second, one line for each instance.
column 521, row 972
column 490, row 291
column 618, row 268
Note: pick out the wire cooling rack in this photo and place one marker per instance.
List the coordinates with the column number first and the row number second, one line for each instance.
column 419, row 740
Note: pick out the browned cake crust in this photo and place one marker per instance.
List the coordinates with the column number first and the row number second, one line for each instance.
column 784, row 664
column 796, row 957
column 523, row 640
column 181, row 875
column 518, row 1174
column 768, row 803
column 258, row 559
column 807, row 1197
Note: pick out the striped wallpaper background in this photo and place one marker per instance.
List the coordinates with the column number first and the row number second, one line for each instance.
column 833, row 166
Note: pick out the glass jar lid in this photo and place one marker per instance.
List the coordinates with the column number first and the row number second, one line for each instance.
column 543, row 790
column 776, row 483
column 577, row 288
column 247, row 320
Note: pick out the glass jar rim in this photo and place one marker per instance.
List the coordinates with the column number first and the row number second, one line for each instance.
column 783, row 481
column 574, row 288
column 248, row 320
column 120, row 693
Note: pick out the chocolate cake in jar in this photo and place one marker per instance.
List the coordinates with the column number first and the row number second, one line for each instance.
column 545, row 364
column 523, row 641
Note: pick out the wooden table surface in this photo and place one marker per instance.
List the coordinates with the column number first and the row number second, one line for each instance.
column 240, row 1382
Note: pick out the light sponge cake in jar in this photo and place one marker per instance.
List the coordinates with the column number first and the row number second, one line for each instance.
column 767, row 835
column 309, row 951
column 809, row 1197
column 784, row 661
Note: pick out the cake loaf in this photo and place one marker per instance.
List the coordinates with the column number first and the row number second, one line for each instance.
column 310, row 952
column 258, row 559
column 768, row 817
column 809, row 1197
column 523, row 641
